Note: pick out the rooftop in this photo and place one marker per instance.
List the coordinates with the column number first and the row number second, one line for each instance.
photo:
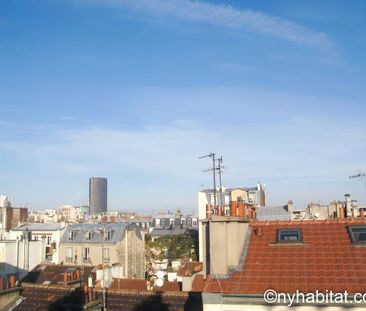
column 326, row 259
column 168, row 232
column 268, row 213
column 39, row 227
column 189, row 268
column 116, row 231
column 51, row 274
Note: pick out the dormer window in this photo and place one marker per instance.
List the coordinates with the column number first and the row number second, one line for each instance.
column 289, row 236
column 88, row 236
column 357, row 234
column 107, row 235
column 71, row 235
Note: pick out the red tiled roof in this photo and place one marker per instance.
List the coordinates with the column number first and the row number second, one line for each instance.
column 198, row 283
column 44, row 298
column 140, row 285
column 147, row 301
column 168, row 287
column 53, row 274
column 189, row 268
column 327, row 261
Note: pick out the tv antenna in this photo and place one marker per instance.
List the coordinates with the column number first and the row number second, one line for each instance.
column 213, row 169
column 219, row 169
column 361, row 176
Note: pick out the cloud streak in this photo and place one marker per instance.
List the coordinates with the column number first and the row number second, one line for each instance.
column 223, row 16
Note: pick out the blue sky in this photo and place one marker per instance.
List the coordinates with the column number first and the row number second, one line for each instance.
column 136, row 90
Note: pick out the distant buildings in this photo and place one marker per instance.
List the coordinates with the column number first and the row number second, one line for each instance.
column 177, row 220
column 65, row 213
column 11, row 217
column 71, row 213
column 97, row 195
column 314, row 211
column 94, row 244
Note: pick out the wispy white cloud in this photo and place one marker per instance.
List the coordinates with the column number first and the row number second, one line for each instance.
column 224, row 16
column 287, row 157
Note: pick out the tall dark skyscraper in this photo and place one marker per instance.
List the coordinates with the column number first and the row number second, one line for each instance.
column 97, row 195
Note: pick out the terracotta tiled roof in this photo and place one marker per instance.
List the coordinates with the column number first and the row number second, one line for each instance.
column 189, row 268
column 168, row 287
column 147, row 301
column 326, row 261
column 198, row 283
column 45, row 298
column 140, row 285
column 133, row 284
column 52, row 274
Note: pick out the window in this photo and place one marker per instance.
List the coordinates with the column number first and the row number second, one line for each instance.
column 107, row 235
column 357, row 234
column 49, row 240
column 68, row 254
column 71, row 235
column 289, row 235
column 86, row 253
column 88, row 236
column 194, row 222
column 106, row 254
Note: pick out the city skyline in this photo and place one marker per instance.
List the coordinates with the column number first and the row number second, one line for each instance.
column 136, row 91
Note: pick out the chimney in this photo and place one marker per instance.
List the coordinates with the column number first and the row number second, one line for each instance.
column 341, row 213
column 290, row 206
column 65, row 277
column 78, row 274
column 348, row 205
column 90, row 288
column 222, row 244
column 86, row 293
column 12, row 281
column 241, row 209
column 233, row 208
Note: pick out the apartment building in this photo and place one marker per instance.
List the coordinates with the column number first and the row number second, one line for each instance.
column 49, row 232
column 93, row 244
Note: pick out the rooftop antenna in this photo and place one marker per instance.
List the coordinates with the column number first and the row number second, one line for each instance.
column 219, row 169
column 361, row 176
column 213, row 169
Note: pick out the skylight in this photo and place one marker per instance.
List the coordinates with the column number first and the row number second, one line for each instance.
column 289, row 235
column 357, row 234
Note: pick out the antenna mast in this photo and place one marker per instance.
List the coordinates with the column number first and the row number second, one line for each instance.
column 361, row 176
column 213, row 169
column 219, row 169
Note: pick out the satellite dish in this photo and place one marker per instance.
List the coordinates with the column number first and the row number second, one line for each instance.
column 159, row 282
column 160, row 274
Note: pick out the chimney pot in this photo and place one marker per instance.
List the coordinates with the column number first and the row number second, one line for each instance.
column 12, row 281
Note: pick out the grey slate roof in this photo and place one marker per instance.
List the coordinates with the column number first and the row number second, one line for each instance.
column 168, row 232
column 117, row 233
column 39, row 227
column 269, row 213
